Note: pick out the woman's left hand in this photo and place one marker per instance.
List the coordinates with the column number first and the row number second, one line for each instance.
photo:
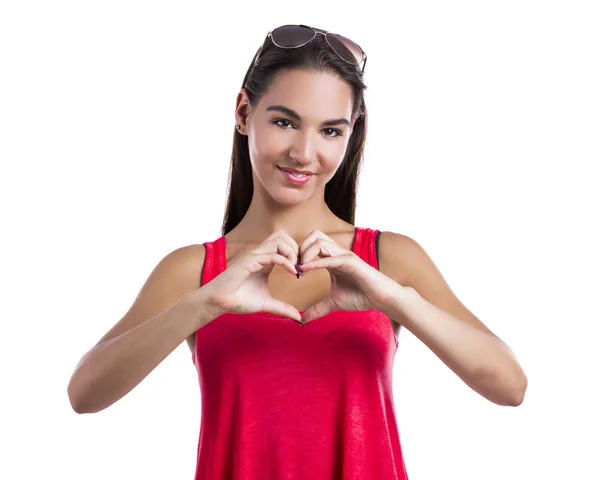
column 355, row 285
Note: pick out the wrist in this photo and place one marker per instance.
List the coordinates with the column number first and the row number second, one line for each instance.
column 205, row 310
column 399, row 304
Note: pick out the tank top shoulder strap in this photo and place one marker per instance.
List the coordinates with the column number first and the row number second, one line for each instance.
column 214, row 261
column 366, row 245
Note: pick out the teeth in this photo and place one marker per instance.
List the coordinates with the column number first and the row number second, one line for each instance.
column 297, row 175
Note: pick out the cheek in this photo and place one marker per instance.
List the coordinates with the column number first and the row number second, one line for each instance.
column 333, row 154
column 338, row 149
column 266, row 145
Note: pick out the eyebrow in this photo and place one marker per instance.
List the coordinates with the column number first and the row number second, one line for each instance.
column 295, row 116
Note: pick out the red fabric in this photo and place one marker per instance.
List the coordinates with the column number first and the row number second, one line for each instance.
column 282, row 401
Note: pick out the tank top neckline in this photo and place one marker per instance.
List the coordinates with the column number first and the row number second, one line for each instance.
column 357, row 241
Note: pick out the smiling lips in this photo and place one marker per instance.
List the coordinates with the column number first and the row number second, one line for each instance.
column 295, row 177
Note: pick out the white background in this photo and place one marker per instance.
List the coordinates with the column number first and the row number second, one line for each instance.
column 116, row 121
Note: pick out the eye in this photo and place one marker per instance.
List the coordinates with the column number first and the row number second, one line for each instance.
column 336, row 133
column 281, row 122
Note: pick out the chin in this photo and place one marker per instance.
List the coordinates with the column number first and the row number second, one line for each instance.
column 282, row 194
column 288, row 197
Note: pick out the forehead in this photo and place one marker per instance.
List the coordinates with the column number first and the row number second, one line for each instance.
column 311, row 94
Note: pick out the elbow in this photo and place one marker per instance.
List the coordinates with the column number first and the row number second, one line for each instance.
column 519, row 392
column 85, row 397
column 79, row 398
column 80, row 389
column 502, row 388
column 75, row 403
column 514, row 391
column 75, row 399
column 80, row 405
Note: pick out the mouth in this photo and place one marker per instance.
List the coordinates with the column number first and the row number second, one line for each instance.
column 295, row 173
column 295, row 178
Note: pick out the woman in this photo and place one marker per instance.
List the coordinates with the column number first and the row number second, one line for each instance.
column 292, row 314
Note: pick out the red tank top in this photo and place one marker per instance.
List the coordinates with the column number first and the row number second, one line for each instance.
column 281, row 401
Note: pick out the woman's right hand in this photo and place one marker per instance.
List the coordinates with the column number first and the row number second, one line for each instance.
column 243, row 287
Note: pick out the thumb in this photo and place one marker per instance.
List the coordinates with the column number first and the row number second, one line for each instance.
column 283, row 309
column 319, row 310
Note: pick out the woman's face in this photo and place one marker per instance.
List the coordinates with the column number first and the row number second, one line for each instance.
column 303, row 122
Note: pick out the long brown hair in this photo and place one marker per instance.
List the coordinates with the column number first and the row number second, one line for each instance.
column 340, row 191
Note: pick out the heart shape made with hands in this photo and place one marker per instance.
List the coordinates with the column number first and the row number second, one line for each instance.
column 355, row 285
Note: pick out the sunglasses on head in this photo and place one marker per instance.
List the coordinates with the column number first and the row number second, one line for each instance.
column 295, row 36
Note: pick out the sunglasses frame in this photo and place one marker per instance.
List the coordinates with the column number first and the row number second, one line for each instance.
column 316, row 31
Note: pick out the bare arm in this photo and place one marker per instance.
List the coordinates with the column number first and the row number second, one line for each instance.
column 110, row 370
column 434, row 314
column 169, row 308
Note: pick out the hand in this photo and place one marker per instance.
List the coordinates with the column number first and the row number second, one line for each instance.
column 243, row 287
column 355, row 285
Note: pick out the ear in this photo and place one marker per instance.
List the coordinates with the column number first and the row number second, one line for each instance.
column 242, row 111
column 352, row 122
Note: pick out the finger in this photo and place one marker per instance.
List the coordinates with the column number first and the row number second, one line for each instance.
column 320, row 247
column 282, row 234
column 343, row 263
column 308, row 241
column 318, row 310
column 284, row 248
column 290, row 240
column 278, row 245
column 276, row 234
column 283, row 309
column 282, row 242
column 285, row 262
column 312, row 237
column 261, row 262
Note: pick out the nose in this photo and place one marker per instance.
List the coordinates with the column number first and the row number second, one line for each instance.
column 303, row 148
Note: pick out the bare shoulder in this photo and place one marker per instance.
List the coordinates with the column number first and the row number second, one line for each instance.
column 396, row 256
column 404, row 260
column 180, row 270
column 190, row 262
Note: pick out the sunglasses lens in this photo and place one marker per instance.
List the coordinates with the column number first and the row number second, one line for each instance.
column 346, row 48
column 290, row 36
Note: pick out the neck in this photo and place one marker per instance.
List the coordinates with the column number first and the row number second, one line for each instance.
column 266, row 216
